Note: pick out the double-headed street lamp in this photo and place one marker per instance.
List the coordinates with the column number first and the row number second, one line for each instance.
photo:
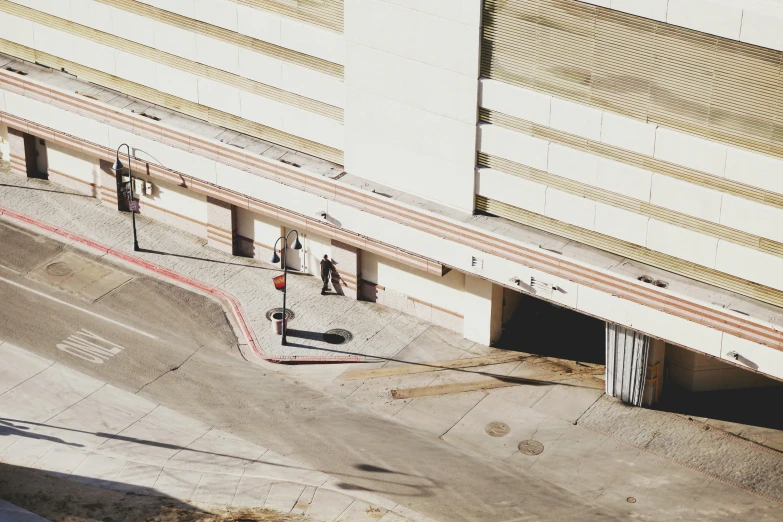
column 276, row 259
column 117, row 167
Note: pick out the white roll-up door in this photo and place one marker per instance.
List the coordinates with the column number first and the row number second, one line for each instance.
column 626, row 363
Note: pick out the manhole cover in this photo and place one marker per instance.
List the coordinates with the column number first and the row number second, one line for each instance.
column 497, row 429
column 58, row 269
column 530, row 447
column 338, row 336
column 288, row 313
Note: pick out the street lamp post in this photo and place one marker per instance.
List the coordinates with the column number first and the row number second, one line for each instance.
column 117, row 167
column 276, row 259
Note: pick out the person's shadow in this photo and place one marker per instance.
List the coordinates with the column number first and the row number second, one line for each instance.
column 9, row 429
column 337, row 282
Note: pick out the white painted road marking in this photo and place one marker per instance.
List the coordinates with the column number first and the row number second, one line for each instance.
column 88, row 312
column 85, row 348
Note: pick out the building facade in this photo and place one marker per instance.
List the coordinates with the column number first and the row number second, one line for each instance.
column 621, row 158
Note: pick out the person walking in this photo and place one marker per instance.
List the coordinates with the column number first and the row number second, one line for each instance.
column 326, row 271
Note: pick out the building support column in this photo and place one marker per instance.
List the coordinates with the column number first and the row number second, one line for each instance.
column 348, row 265
column 221, row 225
column 17, row 152
column 27, row 154
column 483, row 313
column 107, row 185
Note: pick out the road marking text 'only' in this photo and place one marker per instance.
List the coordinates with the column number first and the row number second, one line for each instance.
column 82, row 344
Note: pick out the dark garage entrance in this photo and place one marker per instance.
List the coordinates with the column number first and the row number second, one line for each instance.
column 542, row 328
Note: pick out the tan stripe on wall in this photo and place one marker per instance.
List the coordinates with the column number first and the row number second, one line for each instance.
column 174, row 103
column 636, row 159
column 232, row 37
column 176, row 62
column 326, row 13
column 636, row 206
column 703, row 84
column 632, row 251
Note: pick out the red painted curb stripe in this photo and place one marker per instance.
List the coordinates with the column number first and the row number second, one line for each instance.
column 231, row 301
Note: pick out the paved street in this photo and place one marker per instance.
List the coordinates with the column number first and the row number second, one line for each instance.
column 62, row 422
column 364, row 451
column 431, row 454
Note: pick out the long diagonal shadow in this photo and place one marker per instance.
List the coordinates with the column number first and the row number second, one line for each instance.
column 13, row 428
column 46, row 190
column 195, row 258
column 317, row 336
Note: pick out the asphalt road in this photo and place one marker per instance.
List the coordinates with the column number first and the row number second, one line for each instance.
column 177, row 348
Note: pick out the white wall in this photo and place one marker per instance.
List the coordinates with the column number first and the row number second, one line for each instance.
column 256, row 23
column 72, row 163
column 175, row 206
column 257, row 227
column 186, row 85
column 445, row 292
column 411, row 101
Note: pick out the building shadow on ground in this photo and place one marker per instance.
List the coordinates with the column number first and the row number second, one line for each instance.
column 72, row 497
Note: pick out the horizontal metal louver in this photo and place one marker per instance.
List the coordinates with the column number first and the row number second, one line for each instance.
column 326, row 13
column 702, row 84
column 631, row 251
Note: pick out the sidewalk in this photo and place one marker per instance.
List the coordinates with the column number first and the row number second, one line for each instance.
column 70, row 425
column 377, row 331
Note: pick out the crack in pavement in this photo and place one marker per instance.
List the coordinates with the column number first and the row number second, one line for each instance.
column 172, row 369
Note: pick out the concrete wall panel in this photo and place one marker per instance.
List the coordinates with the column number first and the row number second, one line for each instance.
column 679, row 242
column 511, row 189
column 515, row 101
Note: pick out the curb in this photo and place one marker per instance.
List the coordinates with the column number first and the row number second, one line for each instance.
column 231, row 302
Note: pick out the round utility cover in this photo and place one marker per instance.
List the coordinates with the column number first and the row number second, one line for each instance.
column 497, row 429
column 58, row 269
column 530, row 447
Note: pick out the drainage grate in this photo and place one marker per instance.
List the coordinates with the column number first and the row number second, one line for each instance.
column 530, row 447
column 288, row 313
column 58, row 269
column 338, row 336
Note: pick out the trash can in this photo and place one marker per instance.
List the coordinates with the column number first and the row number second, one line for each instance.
column 277, row 323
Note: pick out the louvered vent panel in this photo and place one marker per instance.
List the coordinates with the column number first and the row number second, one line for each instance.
column 691, row 81
column 325, row 13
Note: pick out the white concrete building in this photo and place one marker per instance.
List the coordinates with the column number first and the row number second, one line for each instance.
column 621, row 158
